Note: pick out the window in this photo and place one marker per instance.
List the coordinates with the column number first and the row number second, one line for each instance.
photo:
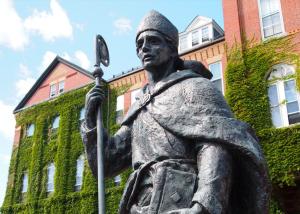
column 205, row 34
column 134, row 95
column 195, row 38
column 81, row 114
column 30, row 130
column 216, row 70
column 183, row 43
column 50, row 178
column 283, row 96
column 25, row 183
column 271, row 18
column 120, row 109
column 79, row 173
column 55, row 123
column 61, row 86
column 117, row 180
column 52, row 90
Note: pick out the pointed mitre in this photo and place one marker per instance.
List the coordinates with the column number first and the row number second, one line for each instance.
column 158, row 22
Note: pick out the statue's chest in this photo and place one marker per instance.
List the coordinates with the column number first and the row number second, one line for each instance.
column 151, row 141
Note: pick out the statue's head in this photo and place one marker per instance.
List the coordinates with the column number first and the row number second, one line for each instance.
column 156, row 40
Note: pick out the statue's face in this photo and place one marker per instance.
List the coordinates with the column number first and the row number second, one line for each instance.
column 153, row 49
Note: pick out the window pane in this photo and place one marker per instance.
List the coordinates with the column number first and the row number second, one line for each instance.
column 195, row 38
column 205, row 34
column 82, row 112
column 119, row 116
column 289, row 90
column 25, row 183
column 52, row 90
column 50, row 179
column 30, row 130
column 292, row 107
column 61, row 86
column 55, row 123
column 117, row 180
column 215, row 69
column 183, row 43
column 134, row 95
column 273, row 96
column 120, row 102
column 294, row 118
column 79, row 172
column 276, row 118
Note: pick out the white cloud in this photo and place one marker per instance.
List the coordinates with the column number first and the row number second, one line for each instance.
column 7, row 125
column 122, row 26
column 12, row 32
column 50, row 24
column 24, row 71
column 66, row 56
column 83, row 59
column 23, row 86
column 47, row 59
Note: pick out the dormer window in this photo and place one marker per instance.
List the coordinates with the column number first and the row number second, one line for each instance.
column 52, row 90
column 183, row 43
column 195, row 38
column 205, row 34
column 61, row 86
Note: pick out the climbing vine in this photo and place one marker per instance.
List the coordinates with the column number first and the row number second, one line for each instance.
column 61, row 146
column 249, row 66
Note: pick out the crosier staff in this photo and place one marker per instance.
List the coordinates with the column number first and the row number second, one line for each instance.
column 102, row 56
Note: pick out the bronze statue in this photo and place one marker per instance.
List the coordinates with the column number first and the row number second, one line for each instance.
column 188, row 153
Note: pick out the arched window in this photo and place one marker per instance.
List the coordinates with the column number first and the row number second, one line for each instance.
column 50, row 177
column 283, row 96
column 79, row 173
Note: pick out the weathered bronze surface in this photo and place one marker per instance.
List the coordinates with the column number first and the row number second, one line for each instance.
column 189, row 153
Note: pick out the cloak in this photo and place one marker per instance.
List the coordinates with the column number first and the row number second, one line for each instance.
column 189, row 106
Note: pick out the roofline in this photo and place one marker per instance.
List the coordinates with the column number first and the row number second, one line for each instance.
column 50, row 98
column 44, row 75
column 221, row 39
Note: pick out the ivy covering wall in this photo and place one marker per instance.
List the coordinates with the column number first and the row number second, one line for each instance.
column 247, row 73
column 62, row 147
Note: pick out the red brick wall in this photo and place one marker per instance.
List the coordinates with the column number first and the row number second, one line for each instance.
column 72, row 78
column 17, row 137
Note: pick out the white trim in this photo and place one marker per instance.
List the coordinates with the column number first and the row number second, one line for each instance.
column 283, row 33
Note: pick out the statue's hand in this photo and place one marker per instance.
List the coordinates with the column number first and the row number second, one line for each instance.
column 93, row 100
column 195, row 209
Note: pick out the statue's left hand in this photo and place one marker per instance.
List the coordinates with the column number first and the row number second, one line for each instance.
column 195, row 209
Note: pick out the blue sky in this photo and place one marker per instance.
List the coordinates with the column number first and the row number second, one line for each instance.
column 32, row 33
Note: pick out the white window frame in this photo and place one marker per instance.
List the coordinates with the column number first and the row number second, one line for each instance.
column 61, row 86
column 208, row 33
column 79, row 172
column 50, row 180
column 221, row 70
column 120, row 108
column 281, row 96
column 53, row 91
column 30, row 133
column 261, row 21
column 25, row 182
column 196, row 38
column 54, row 119
column 186, row 43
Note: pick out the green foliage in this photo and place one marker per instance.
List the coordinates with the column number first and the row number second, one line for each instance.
column 249, row 66
column 62, row 147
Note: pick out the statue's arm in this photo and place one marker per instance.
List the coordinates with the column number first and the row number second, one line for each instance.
column 117, row 150
column 214, row 178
